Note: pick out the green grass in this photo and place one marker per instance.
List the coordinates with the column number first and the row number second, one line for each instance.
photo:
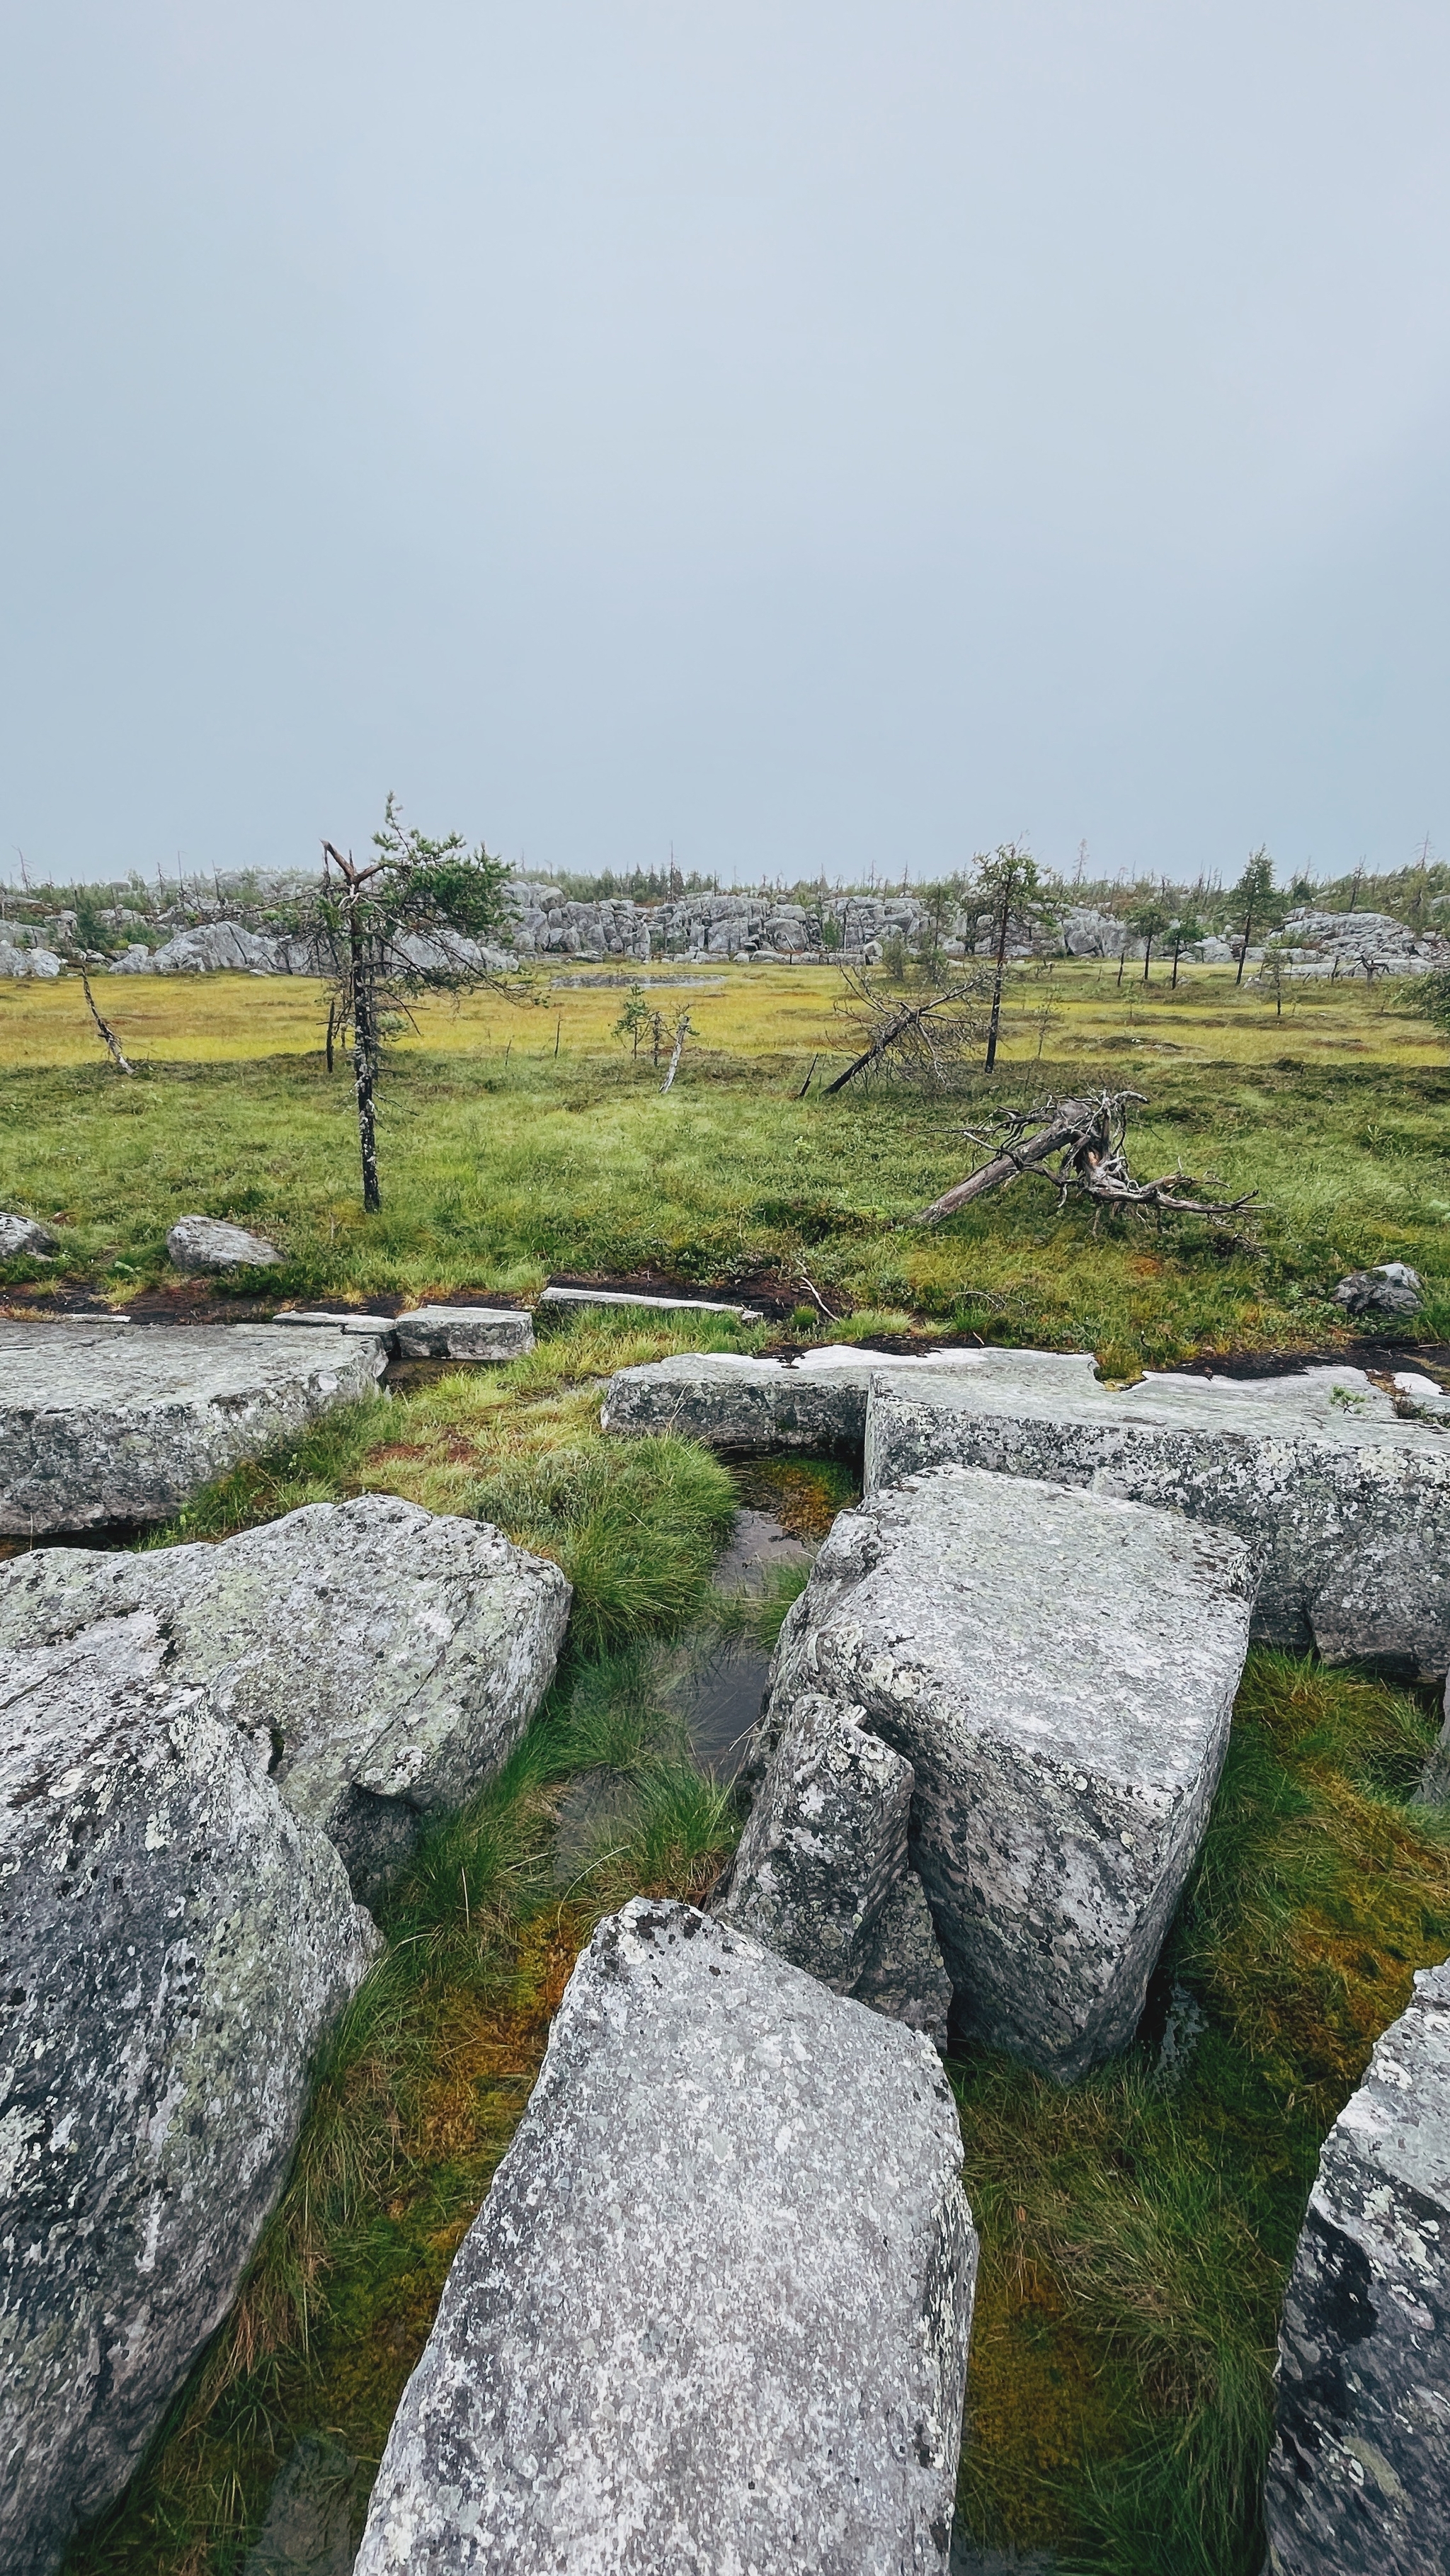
column 492, row 1182
column 1135, row 2239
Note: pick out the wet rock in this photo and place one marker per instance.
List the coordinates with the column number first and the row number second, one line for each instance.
column 204, row 1243
column 1359, row 2473
column 174, row 1943
column 1392, row 1288
column 103, row 1422
column 22, row 1234
column 315, row 2513
column 386, row 1660
column 1345, row 1506
column 714, row 2312
column 464, row 1333
column 1058, row 1669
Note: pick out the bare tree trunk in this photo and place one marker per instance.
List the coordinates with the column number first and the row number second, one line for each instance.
column 331, row 1027
column 1072, row 1119
column 1244, row 951
column 111, row 1041
column 682, row 1031
column 365, row 1067
column 1001, row 969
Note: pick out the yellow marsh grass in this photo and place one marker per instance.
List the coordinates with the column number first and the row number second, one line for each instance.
column 752, row 1010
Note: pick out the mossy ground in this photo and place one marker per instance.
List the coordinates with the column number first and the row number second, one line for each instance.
column 1134, row 2238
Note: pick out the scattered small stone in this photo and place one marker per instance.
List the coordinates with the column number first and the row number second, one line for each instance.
column 714, row 2312
column 23, row 1234
column 1392, row 1288
column 1359, row 2473
column 175, row 1943
column 464, row 1333
column 205, row 1243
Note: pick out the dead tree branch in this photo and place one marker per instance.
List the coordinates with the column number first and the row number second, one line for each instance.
column 684, row 1028
column 108, row 1034
column 1080, row 1147
column 910, row 1041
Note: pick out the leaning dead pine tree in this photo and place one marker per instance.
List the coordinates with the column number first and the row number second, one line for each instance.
column 411, row 920
column 922, row 1041
column 1080, row 1147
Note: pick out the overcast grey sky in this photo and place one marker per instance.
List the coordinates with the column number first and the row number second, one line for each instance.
column 810, row 432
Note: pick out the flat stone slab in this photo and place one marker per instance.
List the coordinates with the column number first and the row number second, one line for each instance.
column 105, row 1422
column 633, row 1297
column 1345, row 1505
column 1359, row 2473
column 818, row 1402
column 463, row 1333
column 386, row 1660
column 174, row 1944
column 1058, row 1668
column 339, row 1320
column 714, row 2312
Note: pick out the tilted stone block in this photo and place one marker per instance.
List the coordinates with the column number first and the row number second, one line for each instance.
column 386, row 1660
column 1359, row 2474
column 105, row 1422
column 1059, row 1671
column 1345, row 1505
column 714, row 2312
column 174, row 1943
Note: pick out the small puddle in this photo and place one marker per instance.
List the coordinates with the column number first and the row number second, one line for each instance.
column 719, row 1682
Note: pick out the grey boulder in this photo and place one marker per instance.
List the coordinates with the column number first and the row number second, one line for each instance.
column 205, row 1243
column 22, row 1234
column 463, row 1333
column 1345, row 1505
column 386, row 1661
column 1059, row 1670
column 174, row 1943
column 822, row 1859
column 1392, row 1288
column 1359, row 2473
column 112, row 1422
column 817, row 1402
column 714, row 2312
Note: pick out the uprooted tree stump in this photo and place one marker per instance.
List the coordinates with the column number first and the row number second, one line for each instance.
column 1080, row 1147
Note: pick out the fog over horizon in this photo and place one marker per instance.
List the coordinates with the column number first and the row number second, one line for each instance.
column 811, row 438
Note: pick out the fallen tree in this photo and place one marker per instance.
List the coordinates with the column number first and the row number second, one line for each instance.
column 1080, row 1147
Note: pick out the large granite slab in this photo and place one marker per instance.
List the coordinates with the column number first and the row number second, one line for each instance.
column 1058, row 1668
column 714, row 2312
column 817, row 1402
column 1345, row 1504
column 103, row 1422
column 1359, row 2473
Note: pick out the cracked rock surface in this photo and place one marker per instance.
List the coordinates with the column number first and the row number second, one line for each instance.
column 1058, row 1669
column 110, row 1422
column 386, row 1660
column 1359, row 2473
column 1345, row 1505
column 714, row 2312
column 174, row 1943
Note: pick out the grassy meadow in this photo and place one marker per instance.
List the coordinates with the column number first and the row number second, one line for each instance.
column 1136, row 2226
